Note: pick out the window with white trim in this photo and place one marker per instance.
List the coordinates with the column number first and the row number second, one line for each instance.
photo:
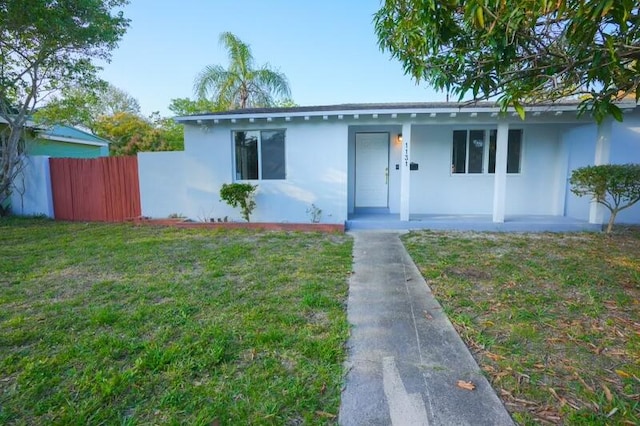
column 471, row 154
column 259, row 154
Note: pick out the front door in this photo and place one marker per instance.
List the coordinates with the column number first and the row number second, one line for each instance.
column 372, row 170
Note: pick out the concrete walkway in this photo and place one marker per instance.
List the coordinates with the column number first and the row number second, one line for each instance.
column 405, row 358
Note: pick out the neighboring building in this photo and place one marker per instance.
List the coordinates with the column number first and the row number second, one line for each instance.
column 406, row 162
column 32, row 188
column 61, row 141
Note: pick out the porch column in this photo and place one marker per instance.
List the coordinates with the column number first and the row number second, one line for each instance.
column 602, row 155
column 500, row 176
column 405, row 175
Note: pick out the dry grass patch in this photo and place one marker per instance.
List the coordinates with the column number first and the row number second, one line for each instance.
column 552, row 319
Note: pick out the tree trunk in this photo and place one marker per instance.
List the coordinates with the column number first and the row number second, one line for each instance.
column 9, row 163
column 612, row 219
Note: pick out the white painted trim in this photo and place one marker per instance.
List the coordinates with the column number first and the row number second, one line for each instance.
column 405, row 173
column 500, row 175
column 602, row 156
column 72, row 140
column 393, row 113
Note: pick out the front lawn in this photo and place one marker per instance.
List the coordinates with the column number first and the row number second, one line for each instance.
column 117, row 324
column 553, row 319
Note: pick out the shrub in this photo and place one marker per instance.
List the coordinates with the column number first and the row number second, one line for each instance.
column 240, row 194
column 615, row 186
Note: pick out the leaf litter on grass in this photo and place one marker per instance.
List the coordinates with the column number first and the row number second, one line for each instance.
column 552, row 319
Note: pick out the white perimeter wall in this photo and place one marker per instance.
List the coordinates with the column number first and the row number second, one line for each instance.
column 32, row 192
column 435, row 190
column 580, row 144
column 189, row 182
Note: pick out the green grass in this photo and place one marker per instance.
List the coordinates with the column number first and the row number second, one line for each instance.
column 552, row 319
column 117, row 324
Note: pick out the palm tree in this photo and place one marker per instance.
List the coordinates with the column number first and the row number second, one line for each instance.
column 241, row 85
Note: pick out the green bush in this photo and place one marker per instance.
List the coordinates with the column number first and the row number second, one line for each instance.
column 240, row 194
column 615, row 186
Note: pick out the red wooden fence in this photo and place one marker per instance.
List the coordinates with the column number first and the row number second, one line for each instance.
column 99, row 189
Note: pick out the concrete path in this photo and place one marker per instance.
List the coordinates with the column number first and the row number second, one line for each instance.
column 405, row 358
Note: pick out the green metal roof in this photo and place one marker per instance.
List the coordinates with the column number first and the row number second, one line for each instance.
column 68, row 132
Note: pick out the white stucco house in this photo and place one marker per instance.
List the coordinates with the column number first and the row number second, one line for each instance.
column 411, row 164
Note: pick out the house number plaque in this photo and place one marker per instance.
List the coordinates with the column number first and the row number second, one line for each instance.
column 406, row 154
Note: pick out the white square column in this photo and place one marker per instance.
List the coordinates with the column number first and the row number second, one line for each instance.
column 500, row 175
column 405, row 173
column 602, row 156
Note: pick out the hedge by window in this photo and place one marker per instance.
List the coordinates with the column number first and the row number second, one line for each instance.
column 259, row 154
column 472, row 154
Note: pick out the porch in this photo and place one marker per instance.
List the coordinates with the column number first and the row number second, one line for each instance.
column 444, row 222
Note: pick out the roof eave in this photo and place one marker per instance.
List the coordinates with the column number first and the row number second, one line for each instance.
column 559, row 107
column 72, row 140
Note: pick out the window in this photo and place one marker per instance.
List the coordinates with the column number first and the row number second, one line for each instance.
column 468, row 151
column 259, row 154
column 514, row 151
column 472, row 154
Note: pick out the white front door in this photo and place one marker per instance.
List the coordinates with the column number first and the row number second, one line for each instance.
column 372, row 170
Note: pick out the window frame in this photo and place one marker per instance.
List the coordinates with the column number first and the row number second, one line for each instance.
column 259, row 153
column 486, row 153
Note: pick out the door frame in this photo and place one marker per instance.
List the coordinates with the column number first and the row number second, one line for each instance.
column 355, row 163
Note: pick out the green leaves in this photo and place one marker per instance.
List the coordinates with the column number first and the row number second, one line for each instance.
column 186, row 106
column 519, row 109
column 615, row 186
column 85, row 106
column 241, row 85
column 240, row 194
column 46, row 47
column 530, row 50
column 131, row 133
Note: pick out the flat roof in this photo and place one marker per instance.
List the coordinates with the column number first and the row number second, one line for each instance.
column 382, row 108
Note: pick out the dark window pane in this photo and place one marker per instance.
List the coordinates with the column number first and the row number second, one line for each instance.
column 492, row 151
column 246, row 155
column 459, row 159
column 476, row 150
column 272, row 146
column 514, row 151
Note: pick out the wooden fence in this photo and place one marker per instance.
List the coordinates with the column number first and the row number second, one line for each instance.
column 99, row 189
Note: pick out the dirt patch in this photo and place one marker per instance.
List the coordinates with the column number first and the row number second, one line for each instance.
column 472, row 274
column 301, row 227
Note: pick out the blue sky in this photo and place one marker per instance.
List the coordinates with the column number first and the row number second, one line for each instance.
column 327, row 49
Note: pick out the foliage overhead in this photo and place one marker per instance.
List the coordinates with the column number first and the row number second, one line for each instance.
column 45, row 47
column 519, row 50
column 615, row 186
column 242, row 84
column 240, row 194
column 79, row 106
